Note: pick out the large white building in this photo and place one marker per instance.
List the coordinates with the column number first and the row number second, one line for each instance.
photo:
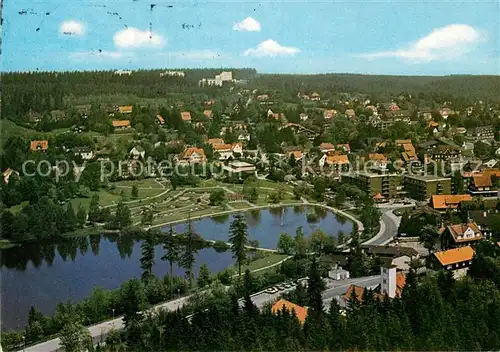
column 172, row 74
column 224, row 76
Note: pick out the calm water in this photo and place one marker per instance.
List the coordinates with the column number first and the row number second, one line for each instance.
column 44, row 274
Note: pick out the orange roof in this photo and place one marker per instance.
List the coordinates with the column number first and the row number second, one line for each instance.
column 160, row 119
column 315, row 95
column 329, row 113
column 358, row 291
column 378, row 196
column 482, row 180
column 325, row 146
column 186, row 116
column 433, row 124
column 39, row 145
column 222, row 146
column 456, row 255
column 377, row 156
column 208, row 113
column 337, row 159
column 400, row 283
column 125, row 109
column 445, row 201
column 120, row 123
column 214, row 141
column 300, row 312
column 402, row 141
column 192, row 150
column 296, row 153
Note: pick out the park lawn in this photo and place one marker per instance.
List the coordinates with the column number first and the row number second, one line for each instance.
column 144, row 183
column 105, row 198
column 240, row 205
column 269, row 259
column 209, row 183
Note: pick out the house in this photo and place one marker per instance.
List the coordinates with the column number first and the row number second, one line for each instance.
column 208, row 114
column 482, row 133
column 137, row 152
column 482, row 183
column 398, row 115
column 315, row 96
column 350, row 113
column 337, row 162
column 186, row 116
column 123, row 72
column 456, row 260
column 440, row 149
column 33, row 116
column 282, row 304
column 459, row 235
column 389, row 185
column 8, row 173
column 377, row 160
column 160, row 120
column 120, row 124
column 484, row 220
column 125, row 109
column 243, row 136
column 444, row 202
column 263, row 97
column 84, row 152
column 39, row 145
column 83, row 110
column 226, row 151
column 389, row 107
column 193, row 155
column 239, row 167
column 326, row 147
column 215, row 141
column 391, row 285
column 328, row 114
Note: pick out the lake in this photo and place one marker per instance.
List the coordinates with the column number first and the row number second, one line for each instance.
column 44, row 274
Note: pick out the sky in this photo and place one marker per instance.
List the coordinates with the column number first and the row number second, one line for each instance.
column 370, row 37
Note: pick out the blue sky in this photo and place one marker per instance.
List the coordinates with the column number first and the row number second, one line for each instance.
column 374, row 37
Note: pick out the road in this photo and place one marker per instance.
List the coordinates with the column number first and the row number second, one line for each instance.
column 389, row 224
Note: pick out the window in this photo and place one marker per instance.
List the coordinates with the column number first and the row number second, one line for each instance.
column 384, row 281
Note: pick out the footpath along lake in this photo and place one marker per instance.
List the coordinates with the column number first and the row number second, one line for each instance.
column 42, row 275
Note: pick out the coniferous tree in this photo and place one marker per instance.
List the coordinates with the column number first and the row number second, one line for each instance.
column 315, row 287
column 238, row 239
column 147, row 256
column 81, row 216
column 188, row 256
column 70, row 218
column 94, row 208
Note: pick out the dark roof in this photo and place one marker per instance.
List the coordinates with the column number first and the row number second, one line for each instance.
column 428, row 143
column 390, row 251
column 482, row 217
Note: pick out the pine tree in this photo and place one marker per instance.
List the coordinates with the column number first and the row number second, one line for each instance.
column 238, row 240
column 70, row 218
column 81, row 216
column 94, row 208
column 315, row 288
column 188, row 257
column 135, row 192
column 204, row 276
column 300, row 244
column 147, row 256
column 122, row 216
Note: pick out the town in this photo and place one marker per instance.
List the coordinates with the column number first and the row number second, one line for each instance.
column 414, row 175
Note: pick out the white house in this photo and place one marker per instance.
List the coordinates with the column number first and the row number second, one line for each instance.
column 84, row 152
column 137, row 152
column 303, row 117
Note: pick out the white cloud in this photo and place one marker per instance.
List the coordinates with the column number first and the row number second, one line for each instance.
column 249, row 24
column 446, row 42
column 271, row 48
column 136, row 38
column 85, row 55
column 198, row 55
column 72, row 27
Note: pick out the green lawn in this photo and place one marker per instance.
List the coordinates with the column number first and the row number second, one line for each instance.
column 269, row 259
column 239, row 205
column 144, row 183
column 105, row 198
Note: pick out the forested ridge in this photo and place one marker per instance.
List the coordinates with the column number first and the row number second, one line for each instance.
column 44, row 91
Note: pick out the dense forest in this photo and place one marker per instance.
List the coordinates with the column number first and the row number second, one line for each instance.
column 45, row 91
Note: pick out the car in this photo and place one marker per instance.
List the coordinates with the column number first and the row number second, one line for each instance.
column 280, row 287
column 288, row 285
column 271, row 290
